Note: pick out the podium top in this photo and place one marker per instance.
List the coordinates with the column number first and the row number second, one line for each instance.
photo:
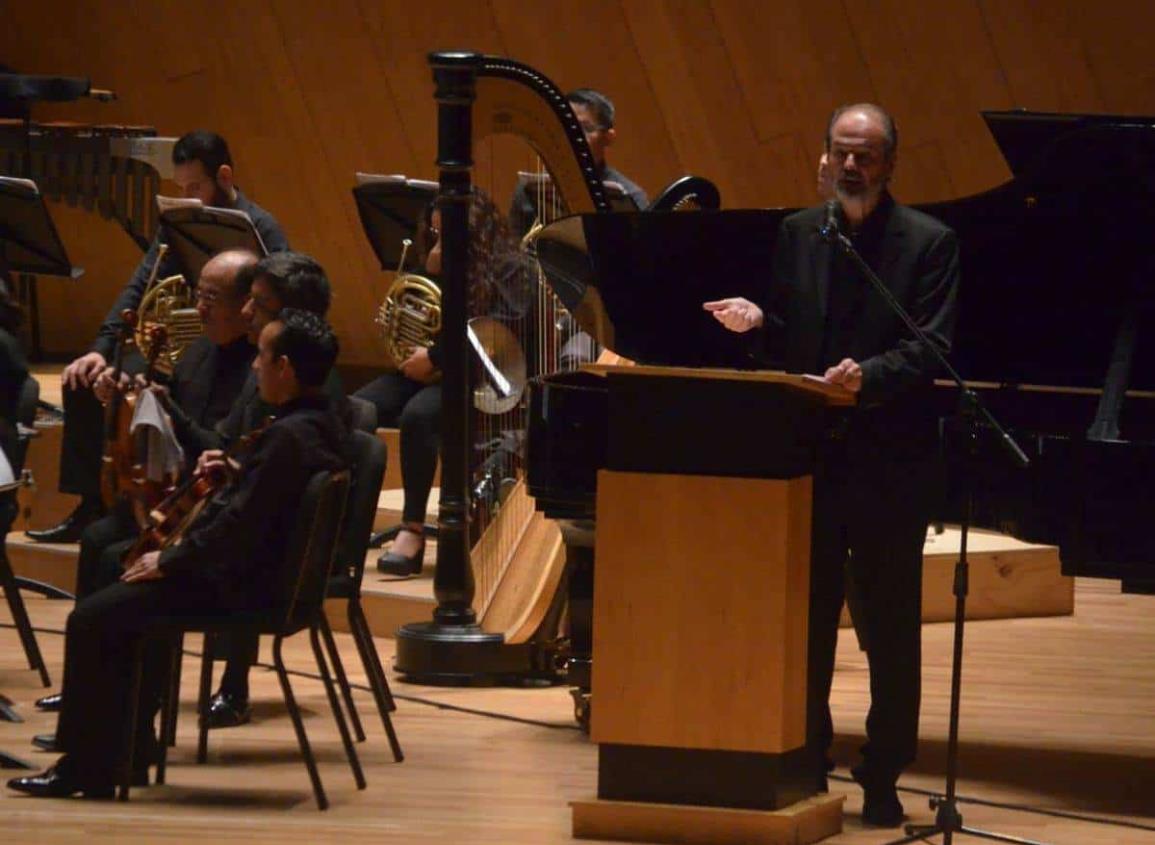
column 832, row 394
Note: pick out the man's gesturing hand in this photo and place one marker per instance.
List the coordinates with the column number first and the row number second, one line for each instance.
column 736, row 314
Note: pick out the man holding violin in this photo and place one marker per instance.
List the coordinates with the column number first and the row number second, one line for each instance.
column 205, row 383
column 203, row 169
column 222, row 564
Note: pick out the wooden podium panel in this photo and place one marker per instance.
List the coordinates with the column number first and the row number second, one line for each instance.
column 664, row 676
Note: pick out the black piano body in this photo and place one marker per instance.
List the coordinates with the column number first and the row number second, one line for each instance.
column 1055, row 303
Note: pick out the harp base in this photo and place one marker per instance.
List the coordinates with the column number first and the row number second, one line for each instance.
column 465, row 655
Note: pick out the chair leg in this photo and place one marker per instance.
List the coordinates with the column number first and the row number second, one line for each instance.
column 298, row 725
column 376, row 673
column 20, row 617
column 133, row 718
column 342, row 679
column 335, row 706
column 169, row 737
column 203, row 695
column 367, row 649
column 169, row 706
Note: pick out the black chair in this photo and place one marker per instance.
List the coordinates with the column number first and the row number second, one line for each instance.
column 307, row 565
column 367, row 457
column 25, row 417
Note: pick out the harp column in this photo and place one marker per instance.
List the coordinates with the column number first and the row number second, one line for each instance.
column 452, row 648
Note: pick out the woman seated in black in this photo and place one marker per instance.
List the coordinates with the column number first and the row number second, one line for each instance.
column 410, row 399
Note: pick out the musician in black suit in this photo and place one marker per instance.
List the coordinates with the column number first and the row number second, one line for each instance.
column 205, row 382
column 228, row 563
column 874, row 485
column 203, row 169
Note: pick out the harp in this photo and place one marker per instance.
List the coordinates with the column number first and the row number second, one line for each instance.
column 500, row 568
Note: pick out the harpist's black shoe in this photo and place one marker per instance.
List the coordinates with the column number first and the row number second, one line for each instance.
column 60, row 782
column 394, row 564
column 72, row 526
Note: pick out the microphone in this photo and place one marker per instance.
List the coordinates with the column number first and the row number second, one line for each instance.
column 829, row 230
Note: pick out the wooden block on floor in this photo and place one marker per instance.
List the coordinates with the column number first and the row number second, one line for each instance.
column 807, row 821
column 1009, row 579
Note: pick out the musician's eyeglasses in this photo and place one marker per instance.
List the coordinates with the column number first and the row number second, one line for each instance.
column 591, row 128
column 206, row 297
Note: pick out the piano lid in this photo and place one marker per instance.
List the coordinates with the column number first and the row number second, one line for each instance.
column 1052, row 262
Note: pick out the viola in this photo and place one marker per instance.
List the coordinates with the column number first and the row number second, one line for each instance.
column 122, row 473
column 168, row 521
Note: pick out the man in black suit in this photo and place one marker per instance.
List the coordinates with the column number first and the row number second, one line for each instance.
column 203, row 169
column 205, row 382
column 227, row 563
column 874, row 484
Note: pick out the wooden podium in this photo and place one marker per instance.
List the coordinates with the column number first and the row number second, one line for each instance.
column 705, row 503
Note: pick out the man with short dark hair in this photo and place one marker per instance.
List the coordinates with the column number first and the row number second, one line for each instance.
column 875, row 477
column 203, row 170
column 227, row 563
column 595, row 114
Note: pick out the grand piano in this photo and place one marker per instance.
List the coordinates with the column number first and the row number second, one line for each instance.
column 1056, row 292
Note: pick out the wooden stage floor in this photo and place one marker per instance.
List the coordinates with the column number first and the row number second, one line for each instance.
column 1058, row 715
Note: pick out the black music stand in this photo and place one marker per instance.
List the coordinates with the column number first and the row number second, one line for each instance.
column 195, row 232
column 972, row 415
column 29, row 246
column 392, row 209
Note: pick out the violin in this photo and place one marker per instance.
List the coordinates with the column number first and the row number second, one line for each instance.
column 123, row 473
column 168, row 521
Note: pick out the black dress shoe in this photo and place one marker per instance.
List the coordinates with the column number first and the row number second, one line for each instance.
column 400, row 565
column 880, row 804
column 227, row 711
column 70, row 529
column 50, row 703
column 59, row 782
column 45, row 742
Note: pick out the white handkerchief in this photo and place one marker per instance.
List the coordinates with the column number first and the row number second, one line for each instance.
column 163, row 451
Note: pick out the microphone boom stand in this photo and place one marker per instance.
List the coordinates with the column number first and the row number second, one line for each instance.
column 971, row 411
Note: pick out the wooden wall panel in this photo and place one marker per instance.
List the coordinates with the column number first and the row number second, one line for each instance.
column 735, row 90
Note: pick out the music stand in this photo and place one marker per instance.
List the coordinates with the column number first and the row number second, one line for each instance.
column 29, row 246
column 535, row 185
column 392, row 209
column 195, row 232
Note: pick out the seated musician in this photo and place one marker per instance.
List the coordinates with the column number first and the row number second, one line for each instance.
column 281, row 280
column 595, row 113
column 411, row 398
column 226, row 563
column 205, row 382
column 204, row 171
column 874, row 480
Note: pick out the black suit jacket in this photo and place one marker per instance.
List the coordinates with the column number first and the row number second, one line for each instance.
column 821, row 310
